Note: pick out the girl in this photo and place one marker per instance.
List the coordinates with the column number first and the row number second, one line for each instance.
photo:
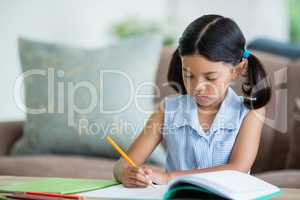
column 208, row 127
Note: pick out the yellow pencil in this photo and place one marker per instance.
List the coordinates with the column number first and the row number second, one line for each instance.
column 121, row 152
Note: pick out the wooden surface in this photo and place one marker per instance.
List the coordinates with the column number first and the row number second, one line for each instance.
column 287, row 193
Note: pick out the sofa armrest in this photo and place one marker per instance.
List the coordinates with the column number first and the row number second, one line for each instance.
column 10, row 132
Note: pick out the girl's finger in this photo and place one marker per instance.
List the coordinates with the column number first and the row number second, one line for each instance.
column 128, row 185
column 136, row 169
column 148, row 171
column 129, row 169
column 137, row 183
column 138, row 176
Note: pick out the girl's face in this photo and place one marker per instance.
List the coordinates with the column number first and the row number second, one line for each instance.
column 207, row 81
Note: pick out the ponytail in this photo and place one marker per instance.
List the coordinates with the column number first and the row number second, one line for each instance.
column 175, row 73
column 257, row 87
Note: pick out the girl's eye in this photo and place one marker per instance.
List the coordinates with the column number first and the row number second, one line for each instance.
column 211, row 78
column 188, row 76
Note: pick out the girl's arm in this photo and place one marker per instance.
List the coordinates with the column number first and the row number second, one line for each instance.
column 245, row 148
column 141, row 148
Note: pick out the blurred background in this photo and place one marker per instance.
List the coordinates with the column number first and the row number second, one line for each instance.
column 95, row 23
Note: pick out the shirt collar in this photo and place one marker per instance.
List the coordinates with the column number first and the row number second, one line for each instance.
column 226, row 117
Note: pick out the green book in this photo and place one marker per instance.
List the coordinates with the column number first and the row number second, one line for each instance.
column 57, row 185
column 3, row 198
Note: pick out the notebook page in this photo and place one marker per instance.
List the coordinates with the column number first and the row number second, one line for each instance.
column 120, row 192
column 237, row 181
column 233, row 182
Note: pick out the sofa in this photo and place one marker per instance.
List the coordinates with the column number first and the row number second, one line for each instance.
column 272, row 162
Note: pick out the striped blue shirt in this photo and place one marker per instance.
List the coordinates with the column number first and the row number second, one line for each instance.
column 188, row 146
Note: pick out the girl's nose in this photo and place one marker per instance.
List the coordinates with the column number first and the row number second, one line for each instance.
column 202, row 86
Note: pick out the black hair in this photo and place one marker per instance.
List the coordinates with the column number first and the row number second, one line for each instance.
column 218, row 38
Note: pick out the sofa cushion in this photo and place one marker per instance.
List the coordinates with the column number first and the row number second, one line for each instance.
column 279, row 48
column 275, row 133
column 57, row 166
column 282, row 178
column 161, row 75
column 293, row 161
column 10, row 132
column 76, row 96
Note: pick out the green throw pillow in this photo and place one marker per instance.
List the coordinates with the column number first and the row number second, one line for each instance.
column 74, row 97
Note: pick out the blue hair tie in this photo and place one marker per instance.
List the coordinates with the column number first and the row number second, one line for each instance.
column 246, row 53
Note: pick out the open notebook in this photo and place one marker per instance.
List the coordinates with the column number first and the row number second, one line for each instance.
column 213, row 185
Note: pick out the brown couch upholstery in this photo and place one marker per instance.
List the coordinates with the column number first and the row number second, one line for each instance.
column 270, row 165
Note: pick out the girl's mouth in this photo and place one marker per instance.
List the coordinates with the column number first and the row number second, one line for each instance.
column 202, row 98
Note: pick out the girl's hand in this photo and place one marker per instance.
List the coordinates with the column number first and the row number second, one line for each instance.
column 136, row 177
column 158, row 176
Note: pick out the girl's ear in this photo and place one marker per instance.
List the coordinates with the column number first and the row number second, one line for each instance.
column 238, row 69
